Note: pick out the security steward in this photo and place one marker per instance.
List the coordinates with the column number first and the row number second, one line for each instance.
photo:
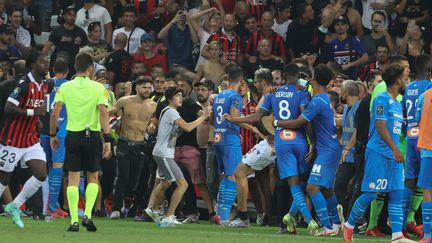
column 86, row 104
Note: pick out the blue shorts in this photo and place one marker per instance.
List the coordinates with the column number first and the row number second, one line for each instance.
column 57, row 156
column 324, row 170
column 412, row 159
column 291, row 160
column 425, row 179
column 381, row 174
column 228, row 158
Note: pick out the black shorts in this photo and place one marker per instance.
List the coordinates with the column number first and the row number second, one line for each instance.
column 83, row 154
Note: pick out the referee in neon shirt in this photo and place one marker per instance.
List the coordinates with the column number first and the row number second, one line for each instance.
column 86, row 104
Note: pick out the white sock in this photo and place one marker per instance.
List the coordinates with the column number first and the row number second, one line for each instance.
column 29, row 188
column 349, row 226
column 45, row 195
column 2, row 188
column 396, row 235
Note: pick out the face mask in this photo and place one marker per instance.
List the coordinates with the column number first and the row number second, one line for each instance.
column 323, row 29
column 302, row 82
column 107, row 86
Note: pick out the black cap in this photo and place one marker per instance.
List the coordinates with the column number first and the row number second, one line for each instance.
column 171, row 92
column 5, row 28
column 207, row 83
column 341, row 19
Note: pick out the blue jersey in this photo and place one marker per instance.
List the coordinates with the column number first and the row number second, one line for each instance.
column 409, row 102
column 387, row 109
column 285, row 104
column 50, row 106
column 319, row 111
column 347, row 51
column 226, row 133
column 348, row 118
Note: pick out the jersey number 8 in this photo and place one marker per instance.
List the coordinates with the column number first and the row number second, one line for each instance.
column 284, row 112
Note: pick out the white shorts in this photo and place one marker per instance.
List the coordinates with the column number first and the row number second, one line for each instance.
column 10, row 156
column 260, row 156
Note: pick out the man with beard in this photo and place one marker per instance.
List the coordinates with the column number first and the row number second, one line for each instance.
column 378, row 36
column 132, row 32
column 67, row 39
column 130, row 149
column 8, row 52
column 382, row 56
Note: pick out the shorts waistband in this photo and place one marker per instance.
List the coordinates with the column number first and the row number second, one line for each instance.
column 131, row 142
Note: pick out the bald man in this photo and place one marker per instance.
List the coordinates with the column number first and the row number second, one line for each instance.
column 264, row 59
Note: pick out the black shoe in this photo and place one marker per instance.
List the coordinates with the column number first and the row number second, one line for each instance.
column 74, row 227
column 88, row 223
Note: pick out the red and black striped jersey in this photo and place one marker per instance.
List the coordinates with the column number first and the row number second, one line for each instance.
column 276, row 42
column 248, row 138
column 257, row 8
column 21, row 131
column 231, row 47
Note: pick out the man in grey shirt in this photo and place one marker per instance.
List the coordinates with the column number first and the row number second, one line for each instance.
column 163, row 154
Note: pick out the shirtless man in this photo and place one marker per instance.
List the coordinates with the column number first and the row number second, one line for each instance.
column 211, row 69
column 342, row 7
column 136, row 111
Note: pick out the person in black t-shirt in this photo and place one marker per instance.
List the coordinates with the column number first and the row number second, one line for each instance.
column 67, row 39
column 264, row 60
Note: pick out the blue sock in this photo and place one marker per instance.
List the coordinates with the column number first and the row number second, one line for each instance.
column 395, row 210
column 300, row 201
column 55, row 181
column 406, row 199
column 229, row 195
column 320, row 206
column 294, row 208
column 360, row 206
column 427, row 218
column 220, row 197
column 332, row 209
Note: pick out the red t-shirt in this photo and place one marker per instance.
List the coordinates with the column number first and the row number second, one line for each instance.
column 149, row 62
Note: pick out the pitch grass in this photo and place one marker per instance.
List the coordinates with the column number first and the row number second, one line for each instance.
column 128, row 231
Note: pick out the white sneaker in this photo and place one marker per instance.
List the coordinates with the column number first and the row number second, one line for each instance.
column 340, row 211
column 169, row 221
column 155, row 215
column 191, row 219
column 337, row 228
column 115, row 215
column 402, row 239
column 326, row 232
column 239, row 223
column 260, row 219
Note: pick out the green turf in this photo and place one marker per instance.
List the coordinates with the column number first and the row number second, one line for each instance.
column 125, row 231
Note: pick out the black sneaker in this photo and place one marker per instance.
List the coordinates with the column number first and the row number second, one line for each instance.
column 88, row 223
column 74, row 227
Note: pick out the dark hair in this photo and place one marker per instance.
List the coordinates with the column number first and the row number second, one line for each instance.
column 83, row 61
column 334, row 97
column 398, row 59
column 61, row 66
column 323, row 74
column 32, row 58
column 157, row 65
column 291, row 70
column 287, row 4
column 143, row 80
column 129, row 9
column 171, row 74
column 382, row 45
column 235, row 72
column 15, row 9
column 380, row 13
column 301, row 8
column 182, row 77
column 171, row 92
column 264, row 74
column 391, row 73
column 92, row 26
column 370, row 77
column 422, row 64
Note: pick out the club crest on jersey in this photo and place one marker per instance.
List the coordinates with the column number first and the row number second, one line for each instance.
column 372, row 185
column 16, row 92
column 380, row 110
column 236, row 102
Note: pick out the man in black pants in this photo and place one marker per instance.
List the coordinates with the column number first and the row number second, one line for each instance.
column 131, row 146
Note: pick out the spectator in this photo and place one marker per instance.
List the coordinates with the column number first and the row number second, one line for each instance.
column 92, row 12
column 229, row 39
column 157, row 70
column 412, row 44
column 276, row 41
column 264, row 60
column 148, row 56
column 370, row 7
column 180, row 36
column 118, row 63
column 23, row 38
column 68, row 38
column 138, row 68
column 411, row 10
column 277, row 78
column 100, row 47
column 346, row 50
column 251, row 25
column 211, row 69
column 242, row 13
column 378, row 35
column 382, row 57
column 344, row 8
column 9, row 53
column 302, row 36
column 282, row 20
column 132, row 32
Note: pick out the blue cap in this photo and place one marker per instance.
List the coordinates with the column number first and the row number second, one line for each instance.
column 147, row 36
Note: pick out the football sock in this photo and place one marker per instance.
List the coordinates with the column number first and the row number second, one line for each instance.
column 229, row 198
column 416, row 201
column 427, row 218
column 55, row 181
column 332, row 209
column 375, row 210
column 359, row 207
column 395, row 212
column 30, row 187
column 73, row 197
column 299, row 200
column 91, row 194
column 320, row 206
column 406, row 198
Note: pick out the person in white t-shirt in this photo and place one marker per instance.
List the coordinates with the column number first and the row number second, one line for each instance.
column 23, row 37
column 282, row 20
column 369, row 7
column 133, row 33
column 92, row 12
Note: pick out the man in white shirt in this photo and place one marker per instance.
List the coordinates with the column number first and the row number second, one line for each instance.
column 370, row 6
column 282, row 20
column 92, row 12
column 132, row 32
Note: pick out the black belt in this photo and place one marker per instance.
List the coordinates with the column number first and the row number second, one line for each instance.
column 132, row 143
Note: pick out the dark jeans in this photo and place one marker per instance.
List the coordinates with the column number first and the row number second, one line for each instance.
column 109, row 172
column 345, row 173
column 359, row 158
